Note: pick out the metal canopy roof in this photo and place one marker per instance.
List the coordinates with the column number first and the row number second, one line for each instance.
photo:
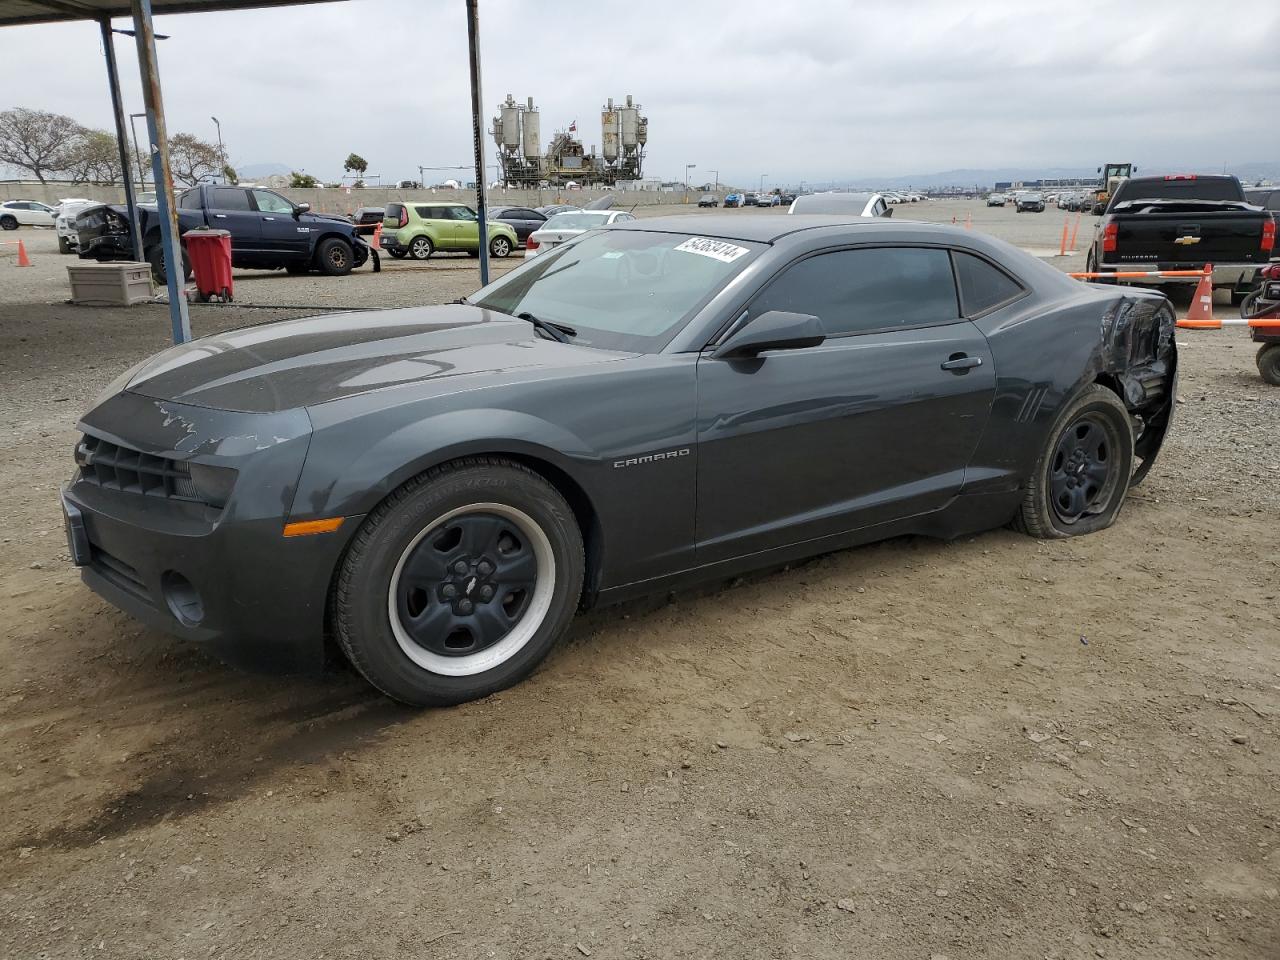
column 14, row 12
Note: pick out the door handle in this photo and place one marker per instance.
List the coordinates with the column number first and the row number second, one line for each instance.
column 959, row 363
column 221, row 216
column 268, row 218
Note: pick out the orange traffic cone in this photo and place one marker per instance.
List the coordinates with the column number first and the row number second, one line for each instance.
column 23, row 259
column 1200, row 313
column 377, row 236
column 968, row 221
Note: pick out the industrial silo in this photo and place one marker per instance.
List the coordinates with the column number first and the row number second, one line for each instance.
column 609, row 126
column 532, row 133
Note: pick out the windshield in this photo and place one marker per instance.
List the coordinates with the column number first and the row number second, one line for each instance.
column 576, row 221
column 620, row 289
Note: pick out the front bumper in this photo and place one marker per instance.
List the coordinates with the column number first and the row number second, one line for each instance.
column 260, row 597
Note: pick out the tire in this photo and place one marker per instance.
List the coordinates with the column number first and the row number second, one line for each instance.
column 397, row 254
column 421, row 248
column 8, row 223
column 442, row 535
column 1269, row 363
column 335, row 257
column 1091, row 266
column 1081, row 477
column 156, row 258
column 297, row 269
column 500, row 247
column 64, row 245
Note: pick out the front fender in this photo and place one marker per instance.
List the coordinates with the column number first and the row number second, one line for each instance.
column 349, row 470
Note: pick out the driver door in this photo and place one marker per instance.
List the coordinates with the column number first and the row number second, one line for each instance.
column 283, row 233
column 875, row 424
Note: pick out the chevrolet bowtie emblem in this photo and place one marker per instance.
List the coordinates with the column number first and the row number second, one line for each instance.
column 1187, row 240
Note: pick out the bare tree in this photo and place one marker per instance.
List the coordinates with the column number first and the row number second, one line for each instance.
column 192, row 160
column 35, row 141
column 94, row 158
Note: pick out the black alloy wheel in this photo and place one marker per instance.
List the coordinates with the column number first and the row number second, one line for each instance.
column 1079, row 482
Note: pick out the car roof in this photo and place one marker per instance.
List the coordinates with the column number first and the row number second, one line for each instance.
column 763, row 228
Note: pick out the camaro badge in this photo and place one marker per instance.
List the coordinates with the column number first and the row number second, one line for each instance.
column 650, row 458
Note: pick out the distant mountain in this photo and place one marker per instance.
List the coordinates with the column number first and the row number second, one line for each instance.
column 1247, row 172
column 254, row 171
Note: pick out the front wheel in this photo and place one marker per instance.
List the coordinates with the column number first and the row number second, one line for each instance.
column 459, row 584
column 1080, row 479
column 1269, row 363
column 155, row 257
column 499, row 247
column 64, row 245
column 335, row 257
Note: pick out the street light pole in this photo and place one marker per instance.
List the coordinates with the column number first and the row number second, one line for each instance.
column 762, row 176
column 717, row 173
column 222, row 153
column 687, row 168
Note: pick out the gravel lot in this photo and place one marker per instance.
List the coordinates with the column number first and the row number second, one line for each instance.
column 988, row 748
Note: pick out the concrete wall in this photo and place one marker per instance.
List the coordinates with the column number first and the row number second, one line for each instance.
column 340, row 201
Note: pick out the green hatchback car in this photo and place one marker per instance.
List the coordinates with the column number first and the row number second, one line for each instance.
column 418, row 230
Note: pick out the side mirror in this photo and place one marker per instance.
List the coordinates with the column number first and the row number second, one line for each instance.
column 302, row 208
column 775, row 330
column 888, row 212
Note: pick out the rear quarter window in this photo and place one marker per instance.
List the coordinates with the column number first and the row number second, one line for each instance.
column 982, row 286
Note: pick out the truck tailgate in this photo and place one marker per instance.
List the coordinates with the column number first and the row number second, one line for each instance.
column 1189, row 236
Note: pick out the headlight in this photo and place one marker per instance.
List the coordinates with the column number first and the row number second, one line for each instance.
column 212, row 484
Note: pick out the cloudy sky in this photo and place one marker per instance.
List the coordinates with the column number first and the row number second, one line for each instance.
column 813, row 90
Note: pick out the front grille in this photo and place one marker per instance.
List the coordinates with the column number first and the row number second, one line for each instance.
column 113, row 466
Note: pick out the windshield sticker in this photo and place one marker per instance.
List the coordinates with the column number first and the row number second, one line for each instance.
column 715, row 249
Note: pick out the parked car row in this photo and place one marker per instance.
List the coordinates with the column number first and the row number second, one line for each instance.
column 25, row 213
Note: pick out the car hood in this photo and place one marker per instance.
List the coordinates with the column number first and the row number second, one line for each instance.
column 302, row 363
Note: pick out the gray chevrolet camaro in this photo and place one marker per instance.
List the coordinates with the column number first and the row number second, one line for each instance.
column 435, row 491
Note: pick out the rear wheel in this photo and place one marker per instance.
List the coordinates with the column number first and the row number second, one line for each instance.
column 8, row 223
column 1269, row 363
column 334, row 257
column 420, row 248
column 499, row 247
column 459, row 583
column 1080, row 480
column 64, row 245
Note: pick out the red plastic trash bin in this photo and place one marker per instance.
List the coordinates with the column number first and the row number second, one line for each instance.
column 210, row 253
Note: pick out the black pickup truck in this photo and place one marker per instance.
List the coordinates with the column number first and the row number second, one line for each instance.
column 267, row 231
column 1183, row 222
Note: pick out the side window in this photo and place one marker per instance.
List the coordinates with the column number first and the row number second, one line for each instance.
column 190, row 200
column 429, row 213
column 856, row 291
column 879, row 209
column 269, row 202
column 982, row 286
column 463, row 213
column 623, row 216
column 229, row 198
column 1273, row 202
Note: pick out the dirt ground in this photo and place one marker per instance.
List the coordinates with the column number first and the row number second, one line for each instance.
column 990, row 748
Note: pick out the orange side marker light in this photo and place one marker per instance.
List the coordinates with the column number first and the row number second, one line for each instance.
column 305, row 528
